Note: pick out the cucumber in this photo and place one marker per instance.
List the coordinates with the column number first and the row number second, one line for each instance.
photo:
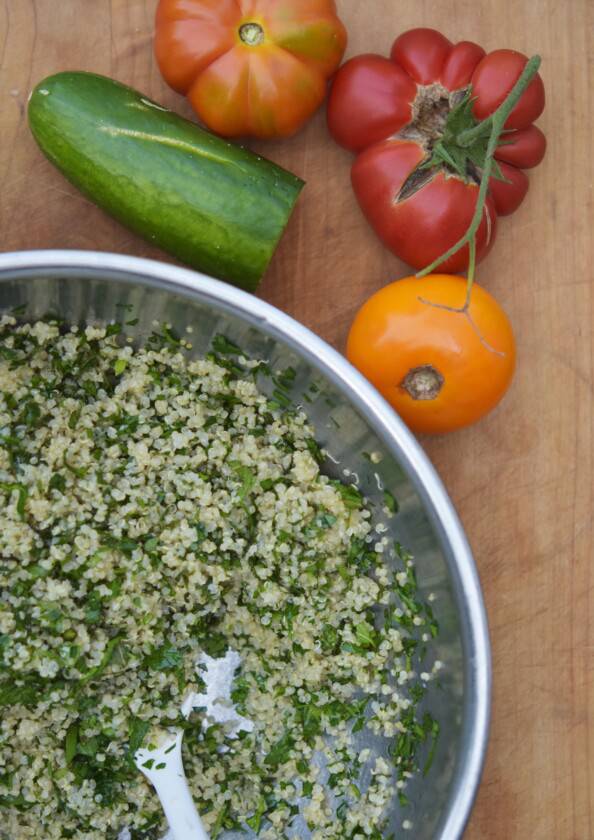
column 215, row 206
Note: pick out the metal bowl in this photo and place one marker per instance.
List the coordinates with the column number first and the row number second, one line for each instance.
column 351, row 419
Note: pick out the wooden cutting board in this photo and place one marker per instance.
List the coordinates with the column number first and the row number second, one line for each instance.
column 523, row 480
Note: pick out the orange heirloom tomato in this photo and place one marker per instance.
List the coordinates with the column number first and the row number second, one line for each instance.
column 440, row 369
column 250, row 67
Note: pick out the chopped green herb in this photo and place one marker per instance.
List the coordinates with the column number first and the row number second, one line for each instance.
column 315, row 451
column 329, row 638
column 217, row 827
column 311, row 721
column 281, row 751
column 247, row 478
column 151, row 544
column 255, row 821
column 137, row 732
column 74, row 418
column 30, row 415
column 432, row 730
column 352, row 498
column 79, row 472
column 57, row 482
column 223, row 345
column 19, row 803
column 390, row 502
column 366, row 636
column 23, row 495
column 325, row 520
column 165, row 658
column 98, row 671
column 71, row 742
column 279, row 397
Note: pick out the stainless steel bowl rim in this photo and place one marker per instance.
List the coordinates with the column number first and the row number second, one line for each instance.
column 385, row 422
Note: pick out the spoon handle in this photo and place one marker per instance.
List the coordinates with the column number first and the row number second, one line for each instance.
column 172, row 789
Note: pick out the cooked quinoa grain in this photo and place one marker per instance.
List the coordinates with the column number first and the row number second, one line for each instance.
column 154, row 508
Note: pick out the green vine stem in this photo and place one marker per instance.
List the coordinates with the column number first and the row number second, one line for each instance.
column 467, row 138
column 496, row 123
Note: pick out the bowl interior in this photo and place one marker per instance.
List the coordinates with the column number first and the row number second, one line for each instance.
column 374, row 451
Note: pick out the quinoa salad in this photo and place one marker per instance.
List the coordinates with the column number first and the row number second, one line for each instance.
column 155, row 508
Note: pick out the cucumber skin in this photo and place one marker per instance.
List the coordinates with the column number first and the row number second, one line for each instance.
column 215, row 206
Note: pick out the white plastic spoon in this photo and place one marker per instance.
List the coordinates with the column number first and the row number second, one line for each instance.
column 164, row 769
column 163, row 765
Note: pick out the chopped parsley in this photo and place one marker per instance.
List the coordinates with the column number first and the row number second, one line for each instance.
column 173, row 511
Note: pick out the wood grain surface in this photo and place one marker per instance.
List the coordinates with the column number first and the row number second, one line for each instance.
column 522, row 479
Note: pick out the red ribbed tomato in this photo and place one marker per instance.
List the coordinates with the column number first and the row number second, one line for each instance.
column 393, row 112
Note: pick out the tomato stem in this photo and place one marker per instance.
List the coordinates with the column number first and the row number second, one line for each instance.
column 423, row 383
column 467, row 138
column 471, row 270
column 251, row 34
column 497, row 122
